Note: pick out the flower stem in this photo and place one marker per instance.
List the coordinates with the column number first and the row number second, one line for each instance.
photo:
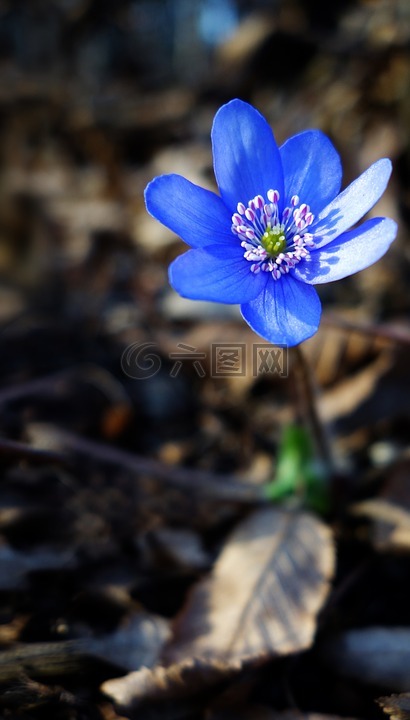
column 306, row 393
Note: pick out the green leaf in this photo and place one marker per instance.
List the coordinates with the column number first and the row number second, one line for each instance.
column 298, row 472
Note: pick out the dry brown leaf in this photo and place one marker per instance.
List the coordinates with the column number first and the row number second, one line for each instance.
column 15, row 565
column 261, row 712
column 178, row 682
column 350, row 393
column 391, row 524
column 390, row 512
column 270, row 581
column 375, row 655
column 262, row 599
column 296, row 715
column 136, row 643
column 397, row 706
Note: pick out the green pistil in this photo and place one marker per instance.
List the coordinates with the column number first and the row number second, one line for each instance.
column 274, row 240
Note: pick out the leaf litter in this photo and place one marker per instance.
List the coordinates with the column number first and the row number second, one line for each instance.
column 260, row 602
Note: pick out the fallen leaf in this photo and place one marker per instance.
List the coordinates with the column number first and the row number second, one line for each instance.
column 180, row 684
column 352, row 392
column 391, row 524
column 264, row 594
column 375, row 655
column 397, row 706
column 390, row 512
column 261, row 601
column 261, row 712
column 138, row 642
column 15, row 565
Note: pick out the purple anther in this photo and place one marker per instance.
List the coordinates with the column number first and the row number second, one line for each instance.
column 273, row 196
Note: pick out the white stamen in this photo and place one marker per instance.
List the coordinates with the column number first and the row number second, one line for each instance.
column 260, row 222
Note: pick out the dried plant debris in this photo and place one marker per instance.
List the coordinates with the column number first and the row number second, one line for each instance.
column 179, row 686
column 389, row 513
column 397, row 706
column 16, row 565
column 261, row 712
column 29, row 694
column 377, row 656
column 138, row 643
column 390, row 524
column 263, row 596
column 261, row 601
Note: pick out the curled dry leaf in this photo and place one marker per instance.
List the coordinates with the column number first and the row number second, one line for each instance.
column 261, row 712
column 376, row 655
column 390, row 512
column 397, row 706
column 137, row 643
column 265, row 591
column 177, row 683
column 296, row 715
column 351, row 393
column 261, row 601
column 390, row 524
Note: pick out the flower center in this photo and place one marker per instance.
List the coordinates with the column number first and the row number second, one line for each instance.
column 274, row 242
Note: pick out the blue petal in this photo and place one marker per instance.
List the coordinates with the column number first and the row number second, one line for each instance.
column 311, row 168
column 286, row 312
column 197, row 215
column 349, row 253
column 354, row 202
column 221, row 275
column 246, row 157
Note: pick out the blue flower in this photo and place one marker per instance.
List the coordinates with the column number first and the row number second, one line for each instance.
column 278, row 227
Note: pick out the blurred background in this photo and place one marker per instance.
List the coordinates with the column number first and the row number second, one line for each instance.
column 98, row 97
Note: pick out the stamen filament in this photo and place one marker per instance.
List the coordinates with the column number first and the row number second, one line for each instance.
column 273, row 242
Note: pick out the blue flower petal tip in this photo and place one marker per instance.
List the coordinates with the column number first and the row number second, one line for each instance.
column 278, row 226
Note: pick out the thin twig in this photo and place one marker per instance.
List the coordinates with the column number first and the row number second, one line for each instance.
column 22, row 451
column 222, row 487
column 399, row 335
column 67, row 445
